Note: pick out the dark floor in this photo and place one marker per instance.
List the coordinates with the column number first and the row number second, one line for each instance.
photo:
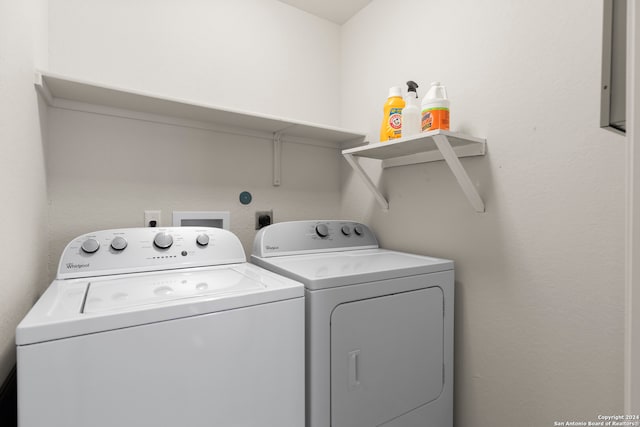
column 9, row 401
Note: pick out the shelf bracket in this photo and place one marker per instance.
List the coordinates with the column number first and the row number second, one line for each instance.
column 458, row 171
column 365, row 178
column 277, row 158
column 429, row 146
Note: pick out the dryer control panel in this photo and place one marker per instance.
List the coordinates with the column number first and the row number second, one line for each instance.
column 302, row 237
column 132, row 250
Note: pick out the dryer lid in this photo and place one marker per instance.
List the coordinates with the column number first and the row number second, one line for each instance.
column 333, row 269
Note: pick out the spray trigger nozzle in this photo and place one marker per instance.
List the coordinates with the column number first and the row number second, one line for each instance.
column 412, row 87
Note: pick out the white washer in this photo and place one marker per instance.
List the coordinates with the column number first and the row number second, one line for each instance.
column 379, row 341
column 162, row 327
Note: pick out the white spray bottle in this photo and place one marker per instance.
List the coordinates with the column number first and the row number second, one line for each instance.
column 411, row 112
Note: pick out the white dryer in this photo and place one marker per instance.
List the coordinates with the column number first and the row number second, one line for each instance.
column 162, row 327
column 379, row 342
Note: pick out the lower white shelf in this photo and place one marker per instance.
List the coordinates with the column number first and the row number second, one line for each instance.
column 425, row 147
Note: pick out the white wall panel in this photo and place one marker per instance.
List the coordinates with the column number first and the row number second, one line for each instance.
column 104, row 172
column 256, row 55
column 539, row 276
column 23, row 217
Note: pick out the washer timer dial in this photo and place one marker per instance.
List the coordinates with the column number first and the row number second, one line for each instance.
column 163, row 240
column 202, row 239
column 118, row 243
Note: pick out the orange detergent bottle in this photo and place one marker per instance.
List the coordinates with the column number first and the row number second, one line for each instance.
column 392, row 117
column 435, row 108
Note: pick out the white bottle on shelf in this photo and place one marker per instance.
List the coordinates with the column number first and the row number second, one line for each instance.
column 411, row 111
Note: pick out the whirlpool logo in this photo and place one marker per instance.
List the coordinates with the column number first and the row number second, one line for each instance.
column 271, row 248
column 71, row 265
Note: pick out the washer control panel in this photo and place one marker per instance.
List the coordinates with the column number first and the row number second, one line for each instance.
column 300, row 237
column 131, row 250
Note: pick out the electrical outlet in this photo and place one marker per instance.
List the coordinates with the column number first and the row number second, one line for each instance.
column 264, row 218
column 152, row 218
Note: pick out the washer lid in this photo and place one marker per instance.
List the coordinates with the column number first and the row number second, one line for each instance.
column 82, row 306
column 124, row 293
column 333, row 269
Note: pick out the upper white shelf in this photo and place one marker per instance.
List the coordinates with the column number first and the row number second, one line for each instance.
column 59, row 90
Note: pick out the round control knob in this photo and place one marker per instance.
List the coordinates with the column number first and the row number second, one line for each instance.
column 90, row 246
column 163, row 240
column 322, row 230
column 202, row 240
column 346, row 230
column 118, row 243
column 358, row 229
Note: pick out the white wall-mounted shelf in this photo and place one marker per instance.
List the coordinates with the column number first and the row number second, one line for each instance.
column 78, row 95
column 425, row 147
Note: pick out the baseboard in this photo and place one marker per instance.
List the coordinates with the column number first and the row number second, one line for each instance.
column 9, row 401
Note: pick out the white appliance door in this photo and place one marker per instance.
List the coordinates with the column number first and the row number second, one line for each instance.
column 386, row 357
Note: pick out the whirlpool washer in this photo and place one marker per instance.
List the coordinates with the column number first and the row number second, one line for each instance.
column 162, row 327
column 379, row 342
